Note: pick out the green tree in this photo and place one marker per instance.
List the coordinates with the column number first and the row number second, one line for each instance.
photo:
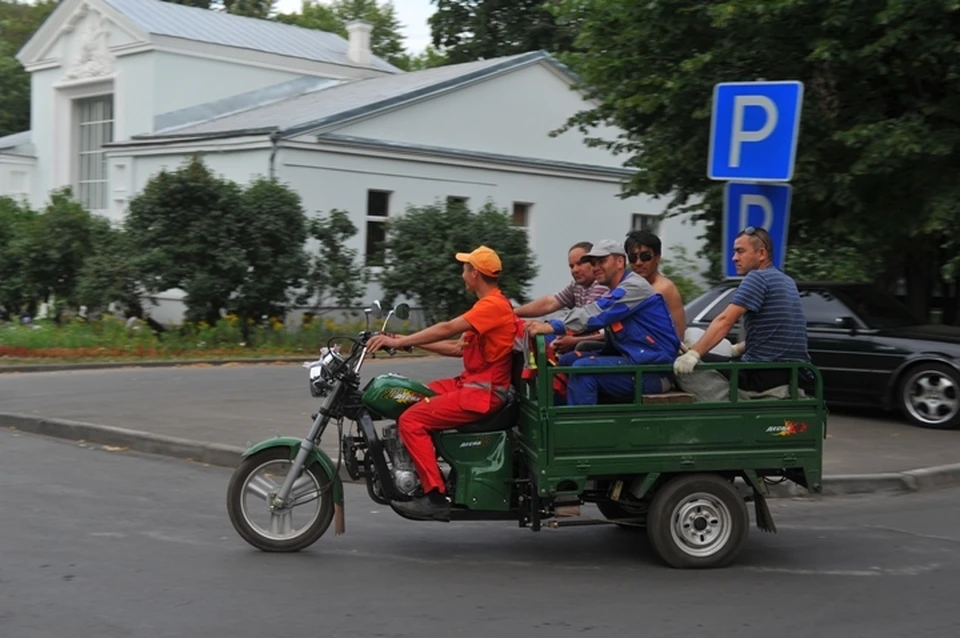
column 227, row 248
column 468, row 30
column 57, row 242
column 16, row 291
column 110, row 275
column 879, row 142
column 429, row 58
column 386, row 40
column 18, row 22
column 336, row 274
column 420, row 260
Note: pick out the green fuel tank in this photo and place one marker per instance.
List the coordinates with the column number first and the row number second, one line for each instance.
column 389, row 395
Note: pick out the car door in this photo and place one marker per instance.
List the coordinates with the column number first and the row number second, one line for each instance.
column 841, row 353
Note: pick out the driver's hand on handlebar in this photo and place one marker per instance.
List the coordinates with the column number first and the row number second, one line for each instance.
column 382, row 341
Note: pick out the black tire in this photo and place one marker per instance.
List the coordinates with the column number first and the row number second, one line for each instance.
column 928, row 395
column 248, row 532
column 685, row 502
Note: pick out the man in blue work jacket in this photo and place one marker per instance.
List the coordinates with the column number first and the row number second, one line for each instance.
column 634, row 315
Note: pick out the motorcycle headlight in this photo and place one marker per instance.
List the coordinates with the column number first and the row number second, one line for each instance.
column 322, row 372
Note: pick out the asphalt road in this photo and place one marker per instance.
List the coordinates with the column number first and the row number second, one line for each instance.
column 243, row 404
column 106, row 544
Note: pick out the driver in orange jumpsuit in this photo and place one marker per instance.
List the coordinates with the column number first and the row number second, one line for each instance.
column 489, row 330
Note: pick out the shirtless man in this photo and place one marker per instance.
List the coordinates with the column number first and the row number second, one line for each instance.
column 643, row 250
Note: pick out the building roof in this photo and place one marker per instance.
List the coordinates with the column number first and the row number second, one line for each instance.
column 215, row 27
column 15, row 140
column 328, row 106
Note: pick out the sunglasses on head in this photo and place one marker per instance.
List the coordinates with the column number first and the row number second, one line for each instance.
column 643, row 256
column 755, row 232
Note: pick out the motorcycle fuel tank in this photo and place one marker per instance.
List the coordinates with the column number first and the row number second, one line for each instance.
column 389, row 395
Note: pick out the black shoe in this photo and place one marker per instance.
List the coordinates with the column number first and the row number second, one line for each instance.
column 433, row 506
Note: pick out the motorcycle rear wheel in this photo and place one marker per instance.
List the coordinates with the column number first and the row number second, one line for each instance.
column 247, row 480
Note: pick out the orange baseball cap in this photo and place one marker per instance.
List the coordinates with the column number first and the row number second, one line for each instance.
column 486, row 260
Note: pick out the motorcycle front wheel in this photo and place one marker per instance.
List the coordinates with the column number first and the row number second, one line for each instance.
column 291, row 529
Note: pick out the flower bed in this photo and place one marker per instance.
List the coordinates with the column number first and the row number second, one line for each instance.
column 111, row 338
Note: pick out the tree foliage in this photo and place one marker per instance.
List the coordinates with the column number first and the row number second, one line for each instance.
column 880, row 139
column 18, row 22
column 420, row 261
column 336, row 275
column 386, row 41
column 42, row 253
column 468, row 30
column 228, row 248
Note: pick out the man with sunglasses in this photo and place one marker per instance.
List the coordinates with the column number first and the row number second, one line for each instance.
column 644, row 253
column 768, row 300
column 635, row 317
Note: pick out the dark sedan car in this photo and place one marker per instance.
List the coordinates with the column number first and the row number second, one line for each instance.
column 870, row 348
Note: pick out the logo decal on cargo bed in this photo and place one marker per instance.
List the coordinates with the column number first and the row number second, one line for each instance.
column 789, row 428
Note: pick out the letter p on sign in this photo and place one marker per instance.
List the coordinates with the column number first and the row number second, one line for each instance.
column 754, row 130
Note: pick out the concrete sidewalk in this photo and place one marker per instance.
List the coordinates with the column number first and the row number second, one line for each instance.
column 210, row 413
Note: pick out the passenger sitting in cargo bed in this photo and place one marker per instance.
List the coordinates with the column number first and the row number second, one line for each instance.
column 638, row 323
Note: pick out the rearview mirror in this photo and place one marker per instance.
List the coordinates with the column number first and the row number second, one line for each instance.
column 402, row 311
column 375, row 310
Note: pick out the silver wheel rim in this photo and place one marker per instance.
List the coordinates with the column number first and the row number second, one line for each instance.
column 279, row 525
column 931, row 397
column 701, row 525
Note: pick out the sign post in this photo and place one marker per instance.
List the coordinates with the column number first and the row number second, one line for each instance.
column 753, row 147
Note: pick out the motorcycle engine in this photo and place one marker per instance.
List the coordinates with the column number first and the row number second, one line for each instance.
column 404, row 473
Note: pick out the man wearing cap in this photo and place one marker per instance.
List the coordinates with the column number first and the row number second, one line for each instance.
column 489, row 330
column 636, row 318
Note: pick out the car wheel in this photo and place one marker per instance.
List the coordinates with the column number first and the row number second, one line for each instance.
column 930, row 396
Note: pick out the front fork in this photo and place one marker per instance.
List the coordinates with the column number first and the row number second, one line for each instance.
column 307, row 444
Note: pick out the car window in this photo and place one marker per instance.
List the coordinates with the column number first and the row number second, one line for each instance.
column 876, row 308
column 822, row 308
column 721, row 305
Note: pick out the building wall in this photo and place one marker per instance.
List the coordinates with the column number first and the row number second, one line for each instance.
column 511, row 114
column 563, row 210
column 180, row 81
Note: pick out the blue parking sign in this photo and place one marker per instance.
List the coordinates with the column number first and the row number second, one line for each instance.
column 759, row 205
column 754, row 131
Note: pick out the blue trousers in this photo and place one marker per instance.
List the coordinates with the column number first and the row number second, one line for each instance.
column 584, row 389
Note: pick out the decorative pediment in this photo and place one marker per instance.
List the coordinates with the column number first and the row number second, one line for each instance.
column 83, row 37
column 90, row 56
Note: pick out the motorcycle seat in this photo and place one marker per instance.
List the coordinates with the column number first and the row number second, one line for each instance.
column 503, row 419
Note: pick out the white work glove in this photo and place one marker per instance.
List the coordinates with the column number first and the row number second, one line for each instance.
column 686, row 362
column 738, row 348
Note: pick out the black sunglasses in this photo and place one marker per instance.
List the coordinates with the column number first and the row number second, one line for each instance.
column 764, row 236
column 644, row 256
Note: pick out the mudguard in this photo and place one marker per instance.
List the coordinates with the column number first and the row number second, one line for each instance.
column 316, row 456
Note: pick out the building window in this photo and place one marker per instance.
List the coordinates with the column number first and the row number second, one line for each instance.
column 650, row 223
column 455, row 200
column 378, row 210
column 521, row 214
column 94, row 129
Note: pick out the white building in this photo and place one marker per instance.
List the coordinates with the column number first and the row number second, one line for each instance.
column 124, row 88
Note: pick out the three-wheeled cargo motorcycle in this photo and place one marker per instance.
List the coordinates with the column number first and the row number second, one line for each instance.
column 684, row 470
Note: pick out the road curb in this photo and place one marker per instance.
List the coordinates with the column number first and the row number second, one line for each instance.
column 216, row 454
column 173, row 363
column 921, row 479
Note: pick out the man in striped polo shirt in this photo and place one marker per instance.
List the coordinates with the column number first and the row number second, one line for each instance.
column 583, row 290
column 768, row 300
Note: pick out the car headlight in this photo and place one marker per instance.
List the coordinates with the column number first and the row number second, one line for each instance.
column 323, row 372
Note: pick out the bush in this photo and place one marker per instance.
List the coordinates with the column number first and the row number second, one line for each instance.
column 420, row 261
